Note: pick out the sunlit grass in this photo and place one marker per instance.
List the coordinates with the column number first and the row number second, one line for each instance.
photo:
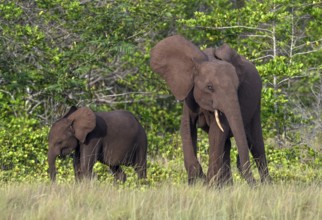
column 94, row 200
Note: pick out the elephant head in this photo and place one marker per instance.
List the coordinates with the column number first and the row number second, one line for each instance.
column 214, row 84
column 67, row 132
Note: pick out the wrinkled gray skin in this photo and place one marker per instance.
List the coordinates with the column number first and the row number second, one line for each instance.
column 207, row 81
column 113, row 138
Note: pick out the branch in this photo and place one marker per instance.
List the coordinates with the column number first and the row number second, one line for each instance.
column 306, row 44
column 256, row 35
column 8, row 93
column 235, row 27
column 129, row 93
column 110, row 99
column 290, row 78
column 312, row 51
column 259, row 58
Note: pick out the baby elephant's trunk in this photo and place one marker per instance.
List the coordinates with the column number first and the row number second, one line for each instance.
column 52, row 167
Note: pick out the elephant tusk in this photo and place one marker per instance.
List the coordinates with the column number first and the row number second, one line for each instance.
column 218, row 121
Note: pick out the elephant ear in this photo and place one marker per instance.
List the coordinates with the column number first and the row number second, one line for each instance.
column 71, row 110
column 210, row 53
column 228, row 54
column 174, row 59
column 83, row 122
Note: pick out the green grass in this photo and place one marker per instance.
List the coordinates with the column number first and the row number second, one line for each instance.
column 95, row 200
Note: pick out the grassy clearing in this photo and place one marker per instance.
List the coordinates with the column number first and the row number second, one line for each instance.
column 94, row 200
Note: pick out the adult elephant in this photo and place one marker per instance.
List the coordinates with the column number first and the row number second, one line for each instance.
column 113, row 138
column 221, row 93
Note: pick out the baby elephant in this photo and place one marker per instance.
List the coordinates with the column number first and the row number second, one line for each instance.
column 114, row 138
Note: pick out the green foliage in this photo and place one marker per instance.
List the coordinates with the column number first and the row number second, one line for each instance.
column 300, row 163
column 23, row 155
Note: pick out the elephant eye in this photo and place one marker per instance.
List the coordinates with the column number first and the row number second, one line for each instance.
column 210, row 88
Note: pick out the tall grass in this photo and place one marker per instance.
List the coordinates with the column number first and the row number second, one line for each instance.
column 94, row 200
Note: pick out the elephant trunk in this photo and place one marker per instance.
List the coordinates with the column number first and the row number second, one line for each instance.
column 52, row 166
column 234, row 117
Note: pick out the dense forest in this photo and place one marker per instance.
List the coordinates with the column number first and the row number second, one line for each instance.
column 60, row 53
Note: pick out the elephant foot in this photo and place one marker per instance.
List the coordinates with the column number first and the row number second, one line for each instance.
column 118, row 173
column 194, row 174
column 141, row 172
column 251, row 182
column 227, row 181
column 219, row 183
column 120, row 177
column 220, row 178
column 267, row 179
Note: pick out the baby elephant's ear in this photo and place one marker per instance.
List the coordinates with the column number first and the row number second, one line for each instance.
column 173, row 58
column 226, row 53
column 71, row 110
column 83, row 122
column 210, row 52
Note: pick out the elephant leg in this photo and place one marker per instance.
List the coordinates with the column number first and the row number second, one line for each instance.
column 140, row 166
column 189, row 145
column 141, row 171
column 140, row 159
column 257, row 149
column 217, row 141
column 118, row 174
column 238, row 164
column 76, row 164
column 87, row 161
column 226, row 169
